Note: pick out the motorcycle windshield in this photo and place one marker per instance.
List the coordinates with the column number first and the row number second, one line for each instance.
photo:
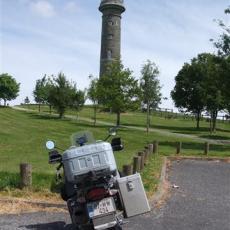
column 82, row 138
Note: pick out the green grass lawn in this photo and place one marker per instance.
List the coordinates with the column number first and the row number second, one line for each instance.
column 178, row 125
column 23, row 136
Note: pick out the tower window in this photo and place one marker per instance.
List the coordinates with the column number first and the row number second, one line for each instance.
column 110, row 37
column 109, row 54
column 110, row 23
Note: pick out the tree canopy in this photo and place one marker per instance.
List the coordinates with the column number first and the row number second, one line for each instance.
column 199, row 86
column 59, row 93
column 93, row 95
column 223, row 43
column 117, row 88
column 150, row 95
column 41, row 91
column 9, row 88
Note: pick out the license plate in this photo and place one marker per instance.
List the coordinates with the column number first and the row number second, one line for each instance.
column 101, row 207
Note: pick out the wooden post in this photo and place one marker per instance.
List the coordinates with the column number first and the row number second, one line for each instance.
column 136, row 164
column 150, row 146
column 146, row 151
column 206, row 148
column 178, row 147
column 142, row 155
column 127, row 170
column 26, row 175
column 156, row 146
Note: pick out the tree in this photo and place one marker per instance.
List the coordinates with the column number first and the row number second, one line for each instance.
column 9, row 88
column 226, row 85
column 27, row 101
column 117, row 88
column 63, row 94
column 150, row 88
column 93, row 95
column 41, row 91
column 189, row 92
column 212, row 67
column 223, row 43
column 199, row 87
column 78, row 100
column 223, row 50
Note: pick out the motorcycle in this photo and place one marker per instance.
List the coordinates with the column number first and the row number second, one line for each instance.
column 90, row 185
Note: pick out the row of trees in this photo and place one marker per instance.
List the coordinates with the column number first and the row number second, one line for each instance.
column 203, row 84
column 59, row 93
column 117, row 90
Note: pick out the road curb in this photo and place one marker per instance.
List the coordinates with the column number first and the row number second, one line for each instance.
column 163, row 186
column 203, row 158
column 38, row 203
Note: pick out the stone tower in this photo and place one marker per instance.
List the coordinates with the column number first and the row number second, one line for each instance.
column 111, row 31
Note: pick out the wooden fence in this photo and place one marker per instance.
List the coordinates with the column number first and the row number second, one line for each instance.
column 140, row 160
column 138, row 163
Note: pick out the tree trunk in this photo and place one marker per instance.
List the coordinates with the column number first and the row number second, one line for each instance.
column 198, row 120
column 210, row 124
column 50, row 108
column 147, row 124
column 95, row 114
column 39, row 107
column 4, row 102
column 214, row 116
column 118, row 118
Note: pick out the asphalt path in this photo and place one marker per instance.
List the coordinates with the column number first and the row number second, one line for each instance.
column 200, row 200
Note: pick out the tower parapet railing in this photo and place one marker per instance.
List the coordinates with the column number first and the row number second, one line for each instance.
column 112, row 1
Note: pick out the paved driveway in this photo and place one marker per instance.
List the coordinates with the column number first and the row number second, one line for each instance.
column 202, row 202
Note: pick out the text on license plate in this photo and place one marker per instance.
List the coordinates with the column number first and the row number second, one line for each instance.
column 101, row 207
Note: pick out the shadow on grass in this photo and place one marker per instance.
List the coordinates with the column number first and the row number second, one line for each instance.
column 73, row 121
column 215, row 137
column 188, row 130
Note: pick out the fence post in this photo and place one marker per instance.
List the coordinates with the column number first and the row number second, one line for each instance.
column 178, row 147
column 150, row 147
column 136, row 164
column 142, row 155
column 25, row 175
column 127, row 170
column 206, row 148
column 156, row 146
column 146, row 151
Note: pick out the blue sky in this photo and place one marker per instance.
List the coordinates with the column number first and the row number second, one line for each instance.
column 40, row 37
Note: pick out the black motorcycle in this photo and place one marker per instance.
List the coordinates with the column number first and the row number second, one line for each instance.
column 90, row 181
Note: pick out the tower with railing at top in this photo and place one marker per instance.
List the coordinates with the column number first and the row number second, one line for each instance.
column 111, row 31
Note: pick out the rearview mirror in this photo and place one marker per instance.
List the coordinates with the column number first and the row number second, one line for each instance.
column 116, row 144
column 50, row 145
column 113, row 131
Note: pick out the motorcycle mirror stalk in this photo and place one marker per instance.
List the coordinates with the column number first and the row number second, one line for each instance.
column 112, row 132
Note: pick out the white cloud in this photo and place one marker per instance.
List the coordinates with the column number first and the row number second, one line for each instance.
column 71, row 7
column 43, row 8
